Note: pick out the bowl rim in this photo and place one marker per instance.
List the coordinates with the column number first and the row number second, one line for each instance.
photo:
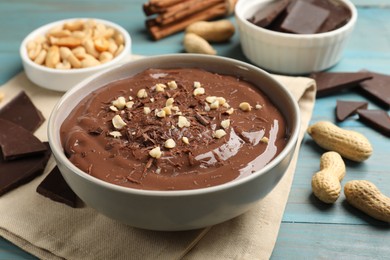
column 238, row 11
column 44, row 28
column 58, row 153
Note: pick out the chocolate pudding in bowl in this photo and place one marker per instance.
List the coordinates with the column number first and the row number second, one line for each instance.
column 174, row 129
column 175, row 142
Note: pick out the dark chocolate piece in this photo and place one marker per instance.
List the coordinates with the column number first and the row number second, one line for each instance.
column 377, row 119
column 345, row 109
column 55, row 188
column 21, row 111
column 304, row 18
column 378, row 87
column 267, row 15
column 338, row 16
column 18, row 172
column 331, row 82
column 16, row 142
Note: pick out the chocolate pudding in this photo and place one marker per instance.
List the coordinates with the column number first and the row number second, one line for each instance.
column 174, row 129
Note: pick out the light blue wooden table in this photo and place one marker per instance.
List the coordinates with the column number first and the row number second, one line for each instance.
column 309, row 230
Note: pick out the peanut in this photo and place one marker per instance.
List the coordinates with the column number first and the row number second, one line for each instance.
column 52, row 57
column 349, row 144
column 217, row 31
column 196, row 44
column 366, row 197
column 326, row 183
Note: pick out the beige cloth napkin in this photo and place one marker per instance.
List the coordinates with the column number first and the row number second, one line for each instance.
column 50, row 230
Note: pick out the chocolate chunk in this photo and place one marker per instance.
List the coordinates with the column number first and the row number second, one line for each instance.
column 18, row 172
column 304, row 18
column 267, row 15
column 378, row 87
column 331, row 82
column 377, row 119
column 345, row 109
column 21, row 111
column 338, row 16
column 55, row 188
column 16, row 142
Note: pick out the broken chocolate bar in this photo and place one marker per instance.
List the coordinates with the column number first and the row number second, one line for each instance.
column 267, row 15
column 21, row 111
column 20, row 171
column 345, row 109
column 331, row 82
column 17, row 142
column 378, row 88
column 304, row 18
column 55, row 188
column 377, row 119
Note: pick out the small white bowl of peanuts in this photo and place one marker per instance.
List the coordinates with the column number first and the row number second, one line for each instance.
column 61, row 54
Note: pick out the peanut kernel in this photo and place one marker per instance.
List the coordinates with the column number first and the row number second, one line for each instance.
column 129, row 104
column 170, row 143
column 214, row 105
column 185, row 140
column 160, row 87
column 264, row 139
column 197, row 84
column 211, row 99
column 229, row 111
column 113, row 108
column 120, row 102
column 225, row 123
column 199, row 91
column 118, row 122
column 219, row 133
column 142, row 93
column 155, row 152
column 169, row 102
column 147, row 110
column 161, row 113
column 245, row 106
column 115, row 134
column 183, row 122
column 172, row 84
column 258, row 106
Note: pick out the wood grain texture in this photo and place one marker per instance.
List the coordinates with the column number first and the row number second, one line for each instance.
column 310, row 229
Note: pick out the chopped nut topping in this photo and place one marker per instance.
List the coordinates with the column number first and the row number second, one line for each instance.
column 160, row 87
column 169, row 102
column 229, row 111
column 258, row 106
column 160, row 113
column 245, row 106
column 185, row 140
column 151, row 100
column 197, row 84
column 167, row 110
column 130, row 104
column 115, row 134
column 199, row 91
column 113, row 108
column 264, row 139
column 155, row 152
column 207, row 107
column 225, row 123
column 170, row 143
column 118, row 122
column 214, row 105
column 172, row 84
column 175, row 108
column 130, row 98
column 183, row 122
column 147, row 110
column 142, row 93
column 211, row 99
column 221, row 100
column 219, row 133
column 120, row 102
column 226, row 105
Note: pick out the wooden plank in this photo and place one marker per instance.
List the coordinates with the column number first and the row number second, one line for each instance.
column 332, row 241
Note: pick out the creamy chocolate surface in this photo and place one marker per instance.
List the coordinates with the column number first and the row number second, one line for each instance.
column 174, row 129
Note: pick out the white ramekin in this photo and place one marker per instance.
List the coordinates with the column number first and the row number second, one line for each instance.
column 286, row 53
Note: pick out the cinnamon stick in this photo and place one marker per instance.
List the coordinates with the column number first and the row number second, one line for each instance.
column 183, row 10
column 159, row 32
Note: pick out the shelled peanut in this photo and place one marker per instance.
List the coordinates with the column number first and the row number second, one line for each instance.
column 76, row 44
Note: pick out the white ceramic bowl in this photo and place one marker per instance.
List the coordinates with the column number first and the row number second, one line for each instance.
column 63, row 80
column 184, row 209
column 285, row 53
